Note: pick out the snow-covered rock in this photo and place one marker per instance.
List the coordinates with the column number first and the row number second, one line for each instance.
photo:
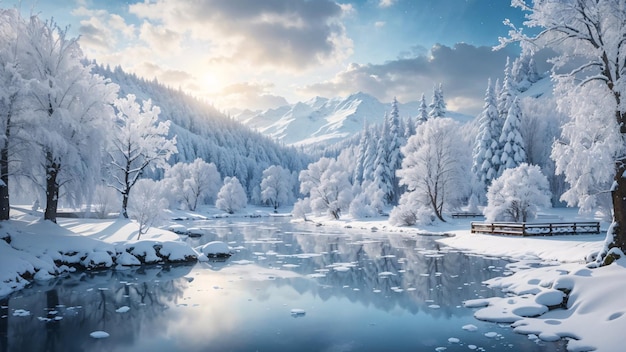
column 215, row 249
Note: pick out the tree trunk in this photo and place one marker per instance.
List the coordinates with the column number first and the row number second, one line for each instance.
column 52, row 191
column 125, row 204
column 4, row 171
column 618, row 194
column 4, row 178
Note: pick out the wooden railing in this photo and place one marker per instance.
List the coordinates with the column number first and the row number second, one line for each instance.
column 536, row 229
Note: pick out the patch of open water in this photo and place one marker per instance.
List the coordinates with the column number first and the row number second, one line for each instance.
column 288, row 287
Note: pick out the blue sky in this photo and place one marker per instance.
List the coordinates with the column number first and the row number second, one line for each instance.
column 262, row 53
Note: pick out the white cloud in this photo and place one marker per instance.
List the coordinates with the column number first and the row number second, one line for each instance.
column 289, row 34
column 386, row 3
column 463, row 70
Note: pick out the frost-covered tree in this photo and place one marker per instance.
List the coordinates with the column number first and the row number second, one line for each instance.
column 139, row 143
column 276, row 186
column 507, row 92
column 588, row 34
column 194, row 183
column 368, row 202
column 437, row 105
column 512, row 154
column 104, row 201
column 382, row 168
column 517, row 194
column 146, row 205
column 394, row 158
column 359, row 168
column 328, row 185
column 487, row 141
column 232, row 196
column 12, row 89
column 422, row 112
column 524, row 72
column 301, row 208
column 369, row 160
column 433, row 168
column 70, row 113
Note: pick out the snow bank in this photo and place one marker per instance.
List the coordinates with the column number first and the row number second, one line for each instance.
column 31, row 248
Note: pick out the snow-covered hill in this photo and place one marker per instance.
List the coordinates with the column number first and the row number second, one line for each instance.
column 323, row 120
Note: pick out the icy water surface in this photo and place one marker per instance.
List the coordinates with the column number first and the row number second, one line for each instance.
column 287, row 288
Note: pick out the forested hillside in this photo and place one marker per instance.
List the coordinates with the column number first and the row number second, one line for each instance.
column 204, row 132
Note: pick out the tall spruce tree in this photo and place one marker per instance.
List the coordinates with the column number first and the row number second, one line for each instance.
column 487, row 140
column 513, row 153
column 438, row 104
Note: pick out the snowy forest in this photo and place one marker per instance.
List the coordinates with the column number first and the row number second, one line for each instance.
column 79, row 134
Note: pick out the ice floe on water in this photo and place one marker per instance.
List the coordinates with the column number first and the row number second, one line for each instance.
column 122, row 309
column 470, row 327
column 99, row 334
column 298, row 312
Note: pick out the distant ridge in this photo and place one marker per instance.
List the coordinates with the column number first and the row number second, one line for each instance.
column 326, row 121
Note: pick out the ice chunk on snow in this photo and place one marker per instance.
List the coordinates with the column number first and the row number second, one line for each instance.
column 99, row 334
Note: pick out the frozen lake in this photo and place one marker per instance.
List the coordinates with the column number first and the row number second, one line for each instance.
column 287, row 288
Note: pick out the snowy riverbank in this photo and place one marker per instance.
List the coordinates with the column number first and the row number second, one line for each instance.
column 551, row 294
column 545, row 272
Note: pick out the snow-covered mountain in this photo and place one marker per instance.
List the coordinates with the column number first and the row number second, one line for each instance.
column 323, row 120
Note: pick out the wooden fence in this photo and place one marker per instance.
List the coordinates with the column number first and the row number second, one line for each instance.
column 536, row 229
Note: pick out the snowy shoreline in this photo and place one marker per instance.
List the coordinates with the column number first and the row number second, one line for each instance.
column 550, row 294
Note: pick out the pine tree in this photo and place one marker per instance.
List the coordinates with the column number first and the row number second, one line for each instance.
column 382, row 171
column 395, row 157
column 422, row 112
column 513, row 153
column 438, row 105
column 507, row 92
column 357, row 178
column 487, row 140
column 370, row 155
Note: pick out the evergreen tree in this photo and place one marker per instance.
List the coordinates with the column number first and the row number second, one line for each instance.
column 357, row 178
column 422, row 112
column 487, row 140
column 395, row 157
column 369, row 160
column 438, row 105
column 382, row 171
column 513, row 153
column 507, row 92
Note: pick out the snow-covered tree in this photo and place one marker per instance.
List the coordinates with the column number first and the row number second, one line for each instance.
column 437, row 105
column 394, row 157
column 507, row 92
column 433, row 168
column 301, row 208
column 587, row 140
column 359, row 168
column 232, row 196
column 146, row 205
column 517, row 194
column 590, row 35
column 69, row 115
column 194, row 183
column 369, row 161
column 487, row 140
column 422, row 112
column 368, row 202
column 104, row 201
column 328, row 185
column 276, row 186
column 140, row 143
column 12, row 88
column 411, row 210
column 512, row 154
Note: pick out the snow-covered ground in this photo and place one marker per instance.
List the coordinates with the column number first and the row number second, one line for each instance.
column 541, row 272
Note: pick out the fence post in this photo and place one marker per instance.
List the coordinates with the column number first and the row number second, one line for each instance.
column 574, row 227
column 551, row 234
column 523, row 229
